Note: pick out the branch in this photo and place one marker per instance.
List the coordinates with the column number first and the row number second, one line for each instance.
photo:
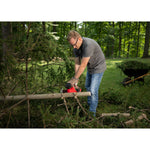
column 2, row 93
column 8, row 109
column 12, row 89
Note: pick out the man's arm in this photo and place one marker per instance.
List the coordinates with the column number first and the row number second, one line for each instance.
column 79, row 69
column 77, row 64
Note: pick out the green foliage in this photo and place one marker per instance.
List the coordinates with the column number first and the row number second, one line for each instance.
column 113, row 97
column 137, row 97
column 46, row 115
column 44, row 49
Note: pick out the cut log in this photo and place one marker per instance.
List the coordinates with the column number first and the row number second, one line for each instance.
column 131, row 121
column 45, row 96
column 115, row 114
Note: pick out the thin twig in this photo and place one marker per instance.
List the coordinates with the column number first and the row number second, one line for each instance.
column 13, row 106
column 27, row 90
column 91, row 120
column 58, row 105
column 65, row 103
column 12, row 89
column 8, row 120
column 140, row 110
column 2, row 93
column 80, row 104
column 28, row 102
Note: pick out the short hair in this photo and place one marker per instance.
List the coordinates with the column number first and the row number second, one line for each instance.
column 73, row 34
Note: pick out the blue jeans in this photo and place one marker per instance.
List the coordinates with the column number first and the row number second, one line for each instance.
column 92, row 85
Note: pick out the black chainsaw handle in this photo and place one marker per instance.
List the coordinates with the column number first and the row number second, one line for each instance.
column 68, row 85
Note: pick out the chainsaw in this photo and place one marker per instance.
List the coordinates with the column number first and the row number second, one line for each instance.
column 70, row 89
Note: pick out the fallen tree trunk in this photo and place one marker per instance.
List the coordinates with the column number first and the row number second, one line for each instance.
column 45, row 96
column 115, row 114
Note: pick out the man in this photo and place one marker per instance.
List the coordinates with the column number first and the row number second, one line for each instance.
column 88, row 53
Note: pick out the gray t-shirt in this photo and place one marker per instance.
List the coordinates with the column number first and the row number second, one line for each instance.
column 91, row 48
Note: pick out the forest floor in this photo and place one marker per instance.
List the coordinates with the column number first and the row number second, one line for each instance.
column 113, row 98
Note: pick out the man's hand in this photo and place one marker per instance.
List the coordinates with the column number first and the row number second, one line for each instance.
column 73, row 81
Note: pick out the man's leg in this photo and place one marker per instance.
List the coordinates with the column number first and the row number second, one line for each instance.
column 87, row 86
column 94, row 88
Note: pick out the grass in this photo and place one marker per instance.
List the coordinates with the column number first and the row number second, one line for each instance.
column 114, row 76
column 136, row 95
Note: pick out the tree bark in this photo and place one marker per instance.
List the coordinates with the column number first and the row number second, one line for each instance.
column 147, row 39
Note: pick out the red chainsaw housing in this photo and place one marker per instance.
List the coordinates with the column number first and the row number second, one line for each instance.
column 72, row 90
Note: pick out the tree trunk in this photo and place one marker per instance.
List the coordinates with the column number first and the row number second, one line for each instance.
column 147, row 38
column 128, row 49
column 54, row 30
column 113, row 42
column 137, row 52
column 120, row 37
column 75, row 25
column 99, row 32
column 5, row 37
column 70, row 25
column 85, row 30
column 124, row 46
column 44, row 27
column 129, row 35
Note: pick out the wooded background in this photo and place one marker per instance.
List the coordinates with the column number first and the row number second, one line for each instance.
column 117, row 39
column 27, row 49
